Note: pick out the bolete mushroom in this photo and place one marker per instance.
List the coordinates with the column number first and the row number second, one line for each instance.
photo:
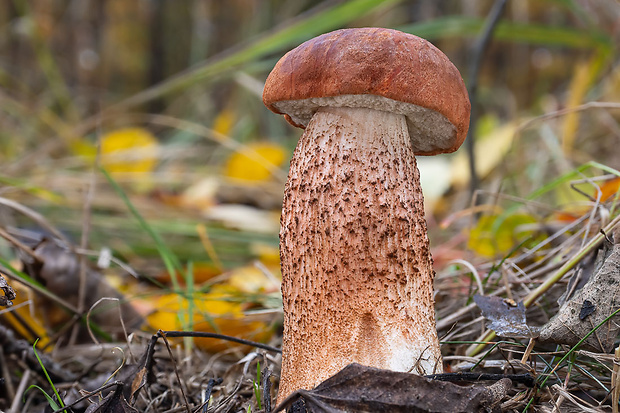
column 357, row 275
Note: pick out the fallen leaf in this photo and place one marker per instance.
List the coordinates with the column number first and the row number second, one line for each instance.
column 496, row 235
column 251, row 280
column 201, row 272
column 130, row 150
column 246, row 167
column 224, row 122
column 245, row 218
column 503, row 316
column 491, row 147
column 9, row 293
column 59, row 272
column 221, row 310
column 114, row 402
column 590, row 306
column 25, row 317
column 357, row 388
column 609, row 188
column 200, row 195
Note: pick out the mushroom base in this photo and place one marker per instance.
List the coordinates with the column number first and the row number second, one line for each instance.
column 357, row 272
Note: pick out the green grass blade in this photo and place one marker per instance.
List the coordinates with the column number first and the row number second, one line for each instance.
column 172, row 263
column 285, row 37
column 34, row 190
column 576, row 346
column 50, row 399
column 49, row 380
column 458, row 26
column 567, row 177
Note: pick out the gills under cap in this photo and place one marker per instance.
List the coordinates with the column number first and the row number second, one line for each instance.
column 375, row 68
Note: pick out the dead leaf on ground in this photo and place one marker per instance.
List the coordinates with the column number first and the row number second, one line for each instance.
column 9, row 293
column 590, row 306
column 366, row 389
column 114, row 402
column 504, row 316
column 59, row 272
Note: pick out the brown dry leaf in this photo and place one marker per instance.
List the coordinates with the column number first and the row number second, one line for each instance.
column 114, row 402
column 59, row 272
column 589, row 306
column 503, row 316
column 357, row 388
column 609, row 188
column 9, row 293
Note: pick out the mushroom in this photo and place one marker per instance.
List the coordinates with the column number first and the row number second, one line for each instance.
column 357, row 275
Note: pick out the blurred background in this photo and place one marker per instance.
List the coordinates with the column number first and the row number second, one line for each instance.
column 165, row 95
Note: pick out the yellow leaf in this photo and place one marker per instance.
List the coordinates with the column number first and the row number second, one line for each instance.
column 224, row 122
column 245, row 166
column 24, row 318
column 251, row 280
column 489, row 151
column 219, row 307
column 202, row 272
column 584, row 76
column 84, row 149
column 609, row 189
column 130, row 150
column 267, row 254
column 497, row 235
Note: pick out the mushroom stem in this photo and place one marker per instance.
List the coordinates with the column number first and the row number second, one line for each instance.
column 357, row 271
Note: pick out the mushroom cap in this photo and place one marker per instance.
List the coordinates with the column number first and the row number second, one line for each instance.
column 375, row 68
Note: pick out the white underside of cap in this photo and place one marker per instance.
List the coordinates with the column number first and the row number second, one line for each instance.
column 430, row 131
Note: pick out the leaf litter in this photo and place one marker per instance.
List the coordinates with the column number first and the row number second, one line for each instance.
column 525, row 282
column 175, row 379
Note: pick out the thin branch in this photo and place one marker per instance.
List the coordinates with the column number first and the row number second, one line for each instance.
column 474, row 69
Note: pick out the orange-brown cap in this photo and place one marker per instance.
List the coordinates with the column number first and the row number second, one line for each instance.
column 379, row 68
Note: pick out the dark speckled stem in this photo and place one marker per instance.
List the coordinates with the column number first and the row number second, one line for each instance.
column 357, row 272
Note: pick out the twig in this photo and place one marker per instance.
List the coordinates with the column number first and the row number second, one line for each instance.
column 12, row 345
column 20, row 391
column 266, row 376
column 566, row 111
column 176, row 369
column 119, row 386
column 8, row 384
column 201, row 334
column 207, row 392
column 86, row 221
column 526, row 378
column 528, row 350
column 18, row 244
column 615, row 382
column 35, row 216
column 474, row 70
